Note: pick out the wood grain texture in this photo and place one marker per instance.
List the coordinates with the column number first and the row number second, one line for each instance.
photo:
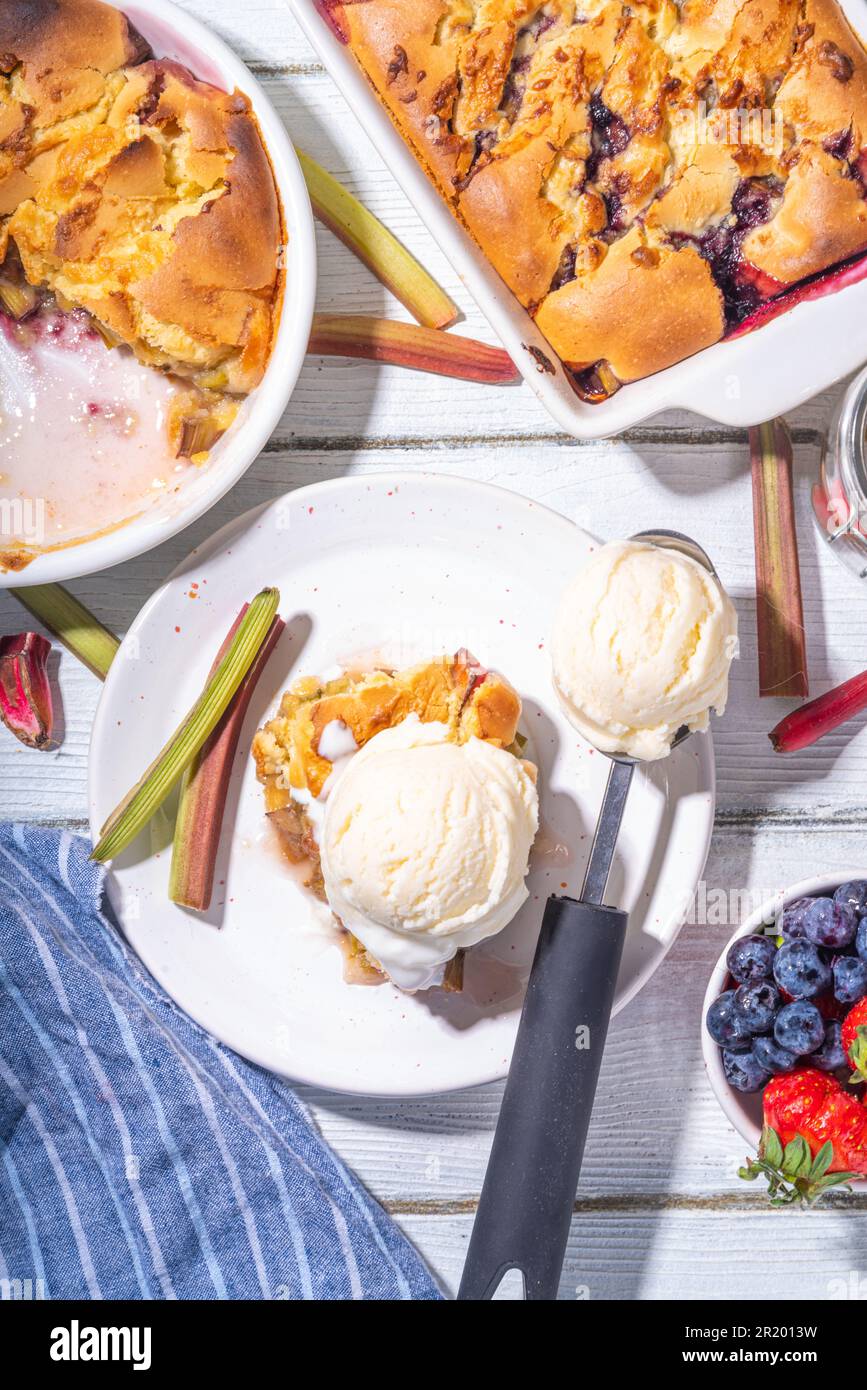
column 683, row 1254
column 660, row 1212
column 612, row 489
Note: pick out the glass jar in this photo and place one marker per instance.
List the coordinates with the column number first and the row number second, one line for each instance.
column 840, row 496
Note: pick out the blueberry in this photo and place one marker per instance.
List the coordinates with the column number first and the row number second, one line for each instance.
column 850, row 979
column 752, row 958
column 831, row 1055
column 756, row 1005
column 800, row 970
column 799, row 1027
column 861, row 940
column 790, row 922
column 724, row 1024
column 772, row 1057
column 744, row 1071
column 829, row 923
column 853, row 895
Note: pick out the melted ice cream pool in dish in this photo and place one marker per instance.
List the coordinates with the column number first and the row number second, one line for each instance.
column 83, row 432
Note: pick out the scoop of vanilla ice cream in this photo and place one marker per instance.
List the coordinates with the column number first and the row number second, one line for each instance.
column 425, row 846
column 642, row 644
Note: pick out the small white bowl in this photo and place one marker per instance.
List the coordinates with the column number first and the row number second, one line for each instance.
column 745, row 1111
column 175, row 34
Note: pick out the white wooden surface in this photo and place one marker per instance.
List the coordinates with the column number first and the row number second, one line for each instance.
column 660, row 1211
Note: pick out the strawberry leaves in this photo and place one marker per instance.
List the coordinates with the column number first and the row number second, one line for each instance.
column 793, row 1174
column 858, row 1056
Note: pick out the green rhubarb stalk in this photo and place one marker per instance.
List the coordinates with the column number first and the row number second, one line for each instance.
column 135, row 810
column 205, row 786
column 374, row 244
column 72, row 624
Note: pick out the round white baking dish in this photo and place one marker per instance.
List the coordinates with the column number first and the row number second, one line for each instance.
column 175, row 34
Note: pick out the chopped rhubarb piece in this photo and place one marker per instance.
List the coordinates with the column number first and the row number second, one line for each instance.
column 75, row 626
column 18, row 298
column 409, row 345
column 453, row 975
column 205, row 785
column 765, row 285
column 779, row 609
column 810, row 722
column 25, row 694
column 198, row 436
column 374, row 244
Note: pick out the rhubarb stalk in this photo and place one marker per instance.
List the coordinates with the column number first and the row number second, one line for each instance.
column 810, row 722
column 408, row 345
column 25, row 694
column 779, row 609
column 72, row 624
column 205, row 785
column 374, row 244
column 132, row 814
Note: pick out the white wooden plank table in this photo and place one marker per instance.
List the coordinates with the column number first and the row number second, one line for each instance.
column 660, row 1211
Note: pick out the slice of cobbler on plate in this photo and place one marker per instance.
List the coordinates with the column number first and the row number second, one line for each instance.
column 406, row 796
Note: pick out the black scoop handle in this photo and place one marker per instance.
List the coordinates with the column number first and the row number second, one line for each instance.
column 529, row 1190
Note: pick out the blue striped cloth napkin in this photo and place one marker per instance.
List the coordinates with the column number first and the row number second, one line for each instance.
column 139, row 1158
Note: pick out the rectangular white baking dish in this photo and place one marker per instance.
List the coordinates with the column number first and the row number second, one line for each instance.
column 740, row 382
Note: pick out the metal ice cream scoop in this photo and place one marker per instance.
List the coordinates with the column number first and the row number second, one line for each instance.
column 526, row 1204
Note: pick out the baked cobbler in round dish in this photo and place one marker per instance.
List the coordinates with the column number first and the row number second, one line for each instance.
column 142, row 266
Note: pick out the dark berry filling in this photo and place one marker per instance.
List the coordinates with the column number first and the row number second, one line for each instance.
column 539, row 25
column 483, row 143
column 565, row 272
column 839, row 146
column 743, row 287
column 609, row 135
column 514, row 88
column 593, row 384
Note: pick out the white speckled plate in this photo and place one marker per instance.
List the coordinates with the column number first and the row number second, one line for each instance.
column 400, row 566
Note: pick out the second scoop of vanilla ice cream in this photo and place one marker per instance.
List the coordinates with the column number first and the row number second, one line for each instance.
column 642, row 644
column 425, row 847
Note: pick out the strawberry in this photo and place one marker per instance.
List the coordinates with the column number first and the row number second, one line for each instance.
column 854, row 1039
column 814, row 1138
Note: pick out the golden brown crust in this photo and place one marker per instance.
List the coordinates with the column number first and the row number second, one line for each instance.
column 455, row 691
column 727, row 132
column 139, row 193
column 644, row 309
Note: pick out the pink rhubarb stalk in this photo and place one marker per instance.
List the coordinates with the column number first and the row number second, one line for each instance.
column 205, row 786
column 25, row 694
column 810, row 722
column 410, row 345
column 779, row 609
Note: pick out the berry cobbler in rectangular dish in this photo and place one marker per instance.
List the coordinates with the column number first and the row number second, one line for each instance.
column 647, row 178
